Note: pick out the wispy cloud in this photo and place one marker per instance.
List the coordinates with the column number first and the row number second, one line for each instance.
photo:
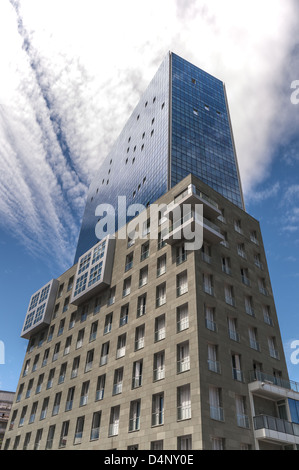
column 72, row 72
column 261, row 196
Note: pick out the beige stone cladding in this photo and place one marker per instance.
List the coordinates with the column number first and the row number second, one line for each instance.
column 162, row 357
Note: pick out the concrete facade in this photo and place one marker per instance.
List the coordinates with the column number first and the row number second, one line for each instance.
column 193, row 390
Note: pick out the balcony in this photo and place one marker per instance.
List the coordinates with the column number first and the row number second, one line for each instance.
column 192, row 196
column 270, row 386
column 189, row 224
column 270, row 428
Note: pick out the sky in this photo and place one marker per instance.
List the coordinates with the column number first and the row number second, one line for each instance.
column 72, row 72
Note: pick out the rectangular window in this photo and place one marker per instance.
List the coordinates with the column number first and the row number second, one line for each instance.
column 161, row 295
column 100, row 387
column 137, row 374
column 104, row 354
column 183, row 357
column 141, row 306
column 95, row 426
column 50, row 437
column 118, row 381
column 84, row 394
column 160, row 328
column 182, row 318
column 121, row 346
column 215, row 400
column 139, row 337
column 114, row 421
column 134, row 422
column 143, row 276
column 208, row 284
column 182, row 283
column 124, row 315
column 183, row 402
column 64, row 434
column 159, row 366
column 158, row 409
column 89, row 360
column 79, row 430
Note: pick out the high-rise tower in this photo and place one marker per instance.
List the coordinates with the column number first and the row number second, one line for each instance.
column 181, row 125
column 143, row 344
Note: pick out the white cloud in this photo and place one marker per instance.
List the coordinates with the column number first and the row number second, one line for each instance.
column 72, row 72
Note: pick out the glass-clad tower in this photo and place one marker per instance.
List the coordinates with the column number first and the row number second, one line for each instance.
column 181, row 125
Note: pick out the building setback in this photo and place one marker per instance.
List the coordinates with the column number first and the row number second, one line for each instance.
column 143, row 343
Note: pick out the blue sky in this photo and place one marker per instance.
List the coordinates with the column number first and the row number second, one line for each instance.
column 72, row 72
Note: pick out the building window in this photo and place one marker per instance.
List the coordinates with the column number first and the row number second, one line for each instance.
column 44, row 408
column 114, row 421
column 226, row 265
column 104, row 354
column 89, row 360
column 273, row 347
column 64, row 434
column 159, row 366
column 50, row 378
column 93, row 331
column 134, row 422
column 183, row 357
column 182, row 318
column 210, row 318
column 249, row 306
column 213, row 362
column 157, row 445
column 75, row 367
column 129, row 262
column 158, row 409
column 95, row 426
column 143, row 276
column 144, row 251
column 206, row 253
column 33, row 413
column 237, row 226
column 242, row 416
column 56, row 352
column 141, row 305
column 254, row 344
column 56, row 404
column 62, row 373
column 70, row 399
column 67, row 346
column 236, row 367
column 118, row 381
column 229, row 295
column 108, row 323
column 161, row 265
column 218, row 443
column 80, row 338
column 100, row 387
column 38, row 438
column 121, row 346
column 215, row 400
column 39, row 384
column 79, row 430
column 182, row 283
column 161, row 294
column 137, row 374
column 139, row 337
column 208, row 284
column 267, row 315
column 184, row 442
column 232, row 329
column 160, row 328
column 127, row 286
column 124, row 315
column 241, row 250
column 183, row 402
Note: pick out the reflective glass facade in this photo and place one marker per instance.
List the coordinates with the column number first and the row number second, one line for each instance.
column 202, row 142
column 180, row 126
